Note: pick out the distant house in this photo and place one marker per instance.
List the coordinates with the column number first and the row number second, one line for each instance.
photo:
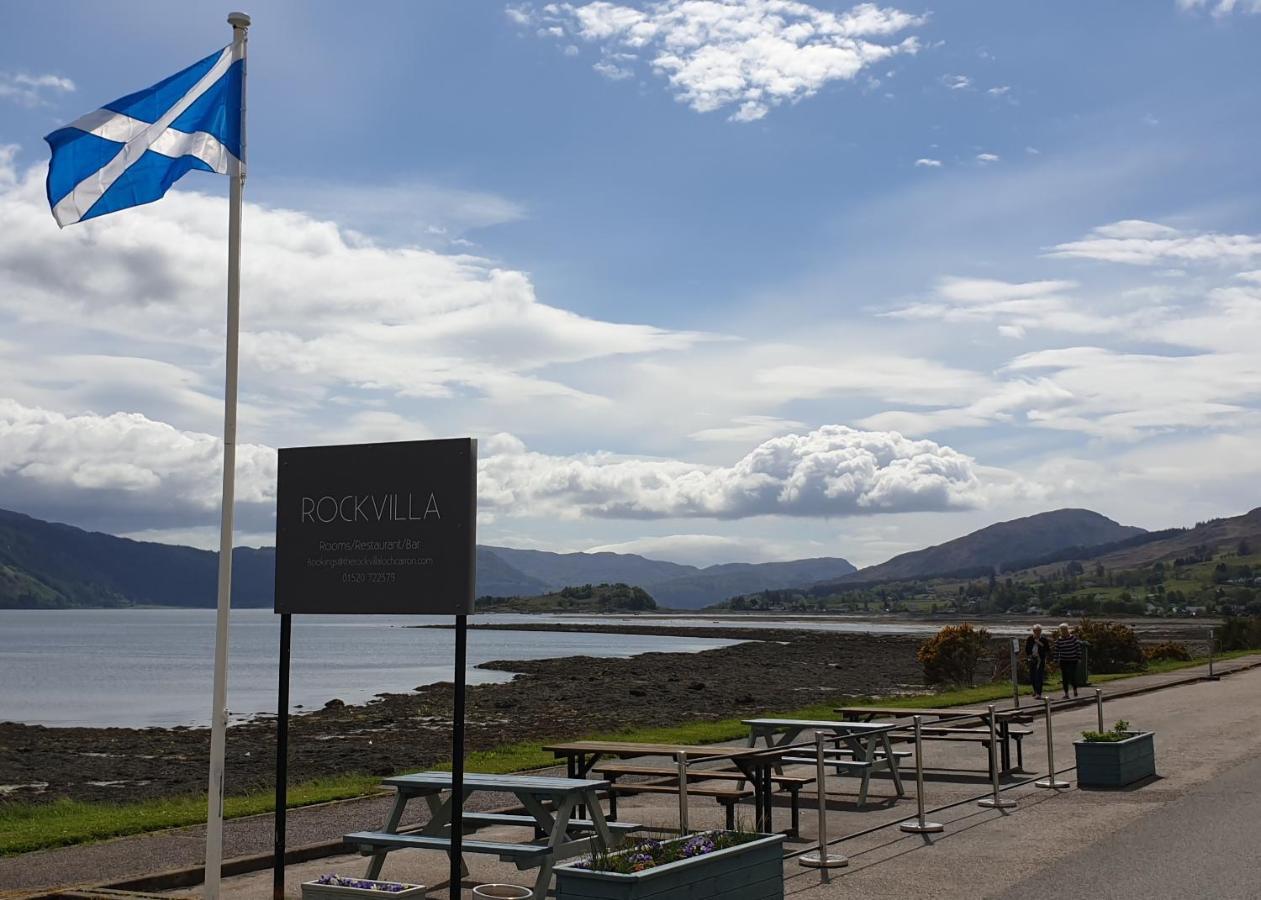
column 1034, row 611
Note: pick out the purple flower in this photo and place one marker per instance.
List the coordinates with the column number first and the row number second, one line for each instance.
column 389, row 887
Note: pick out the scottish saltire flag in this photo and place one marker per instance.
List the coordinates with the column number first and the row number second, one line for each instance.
column 131, row 151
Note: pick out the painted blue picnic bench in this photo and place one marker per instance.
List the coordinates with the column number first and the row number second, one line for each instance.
column 549, row 804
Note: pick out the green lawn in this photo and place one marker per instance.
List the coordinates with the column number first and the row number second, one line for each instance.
column 33, row 826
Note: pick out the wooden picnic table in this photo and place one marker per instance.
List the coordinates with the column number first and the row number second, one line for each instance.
column 1003, row 719
column 868, row 742
column 563, row 835
column 755, row 765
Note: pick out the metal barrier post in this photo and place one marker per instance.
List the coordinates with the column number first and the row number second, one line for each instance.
column 823, row 859
column 996, row 801
column 1050, row 780
column 1211, row 641
column 682, row 760
column 1015, row 671
column 918, row 825
column 1099, row 706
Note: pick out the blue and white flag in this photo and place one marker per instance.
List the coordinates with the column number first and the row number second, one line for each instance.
column 131, row 151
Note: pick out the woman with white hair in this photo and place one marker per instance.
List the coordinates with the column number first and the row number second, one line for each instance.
column 1067, row 653
column 1037, row 652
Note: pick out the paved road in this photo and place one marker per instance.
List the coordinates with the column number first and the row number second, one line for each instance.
column 1203, row 844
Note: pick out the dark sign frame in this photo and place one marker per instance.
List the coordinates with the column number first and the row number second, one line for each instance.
column 384, row 529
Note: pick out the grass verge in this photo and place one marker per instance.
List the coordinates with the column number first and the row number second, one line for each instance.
column 34, row 826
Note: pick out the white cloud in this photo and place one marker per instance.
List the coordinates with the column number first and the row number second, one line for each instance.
column 1129, row 395
column 32, row 90
column 832, row 471
column 711, row 549
column 999, row 90
column 1221, row 8
column 1019, row 307
column 928, row 163
column 519, row 15
column 1141, row 243
column 324, row 310
column 747, row 429
column 986, row 158
column 612, row 71
column 957, row 82
column 408, row 211
column 126, row 472
column 752, row 55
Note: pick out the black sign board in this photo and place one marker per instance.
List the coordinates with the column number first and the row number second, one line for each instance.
column 377, row 528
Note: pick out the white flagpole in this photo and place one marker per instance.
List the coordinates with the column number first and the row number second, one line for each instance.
column 240, row 23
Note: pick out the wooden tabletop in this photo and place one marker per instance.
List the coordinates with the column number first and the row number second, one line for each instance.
column 898, row 712
column 821, row 724
column 532, row 784
column 626, row 749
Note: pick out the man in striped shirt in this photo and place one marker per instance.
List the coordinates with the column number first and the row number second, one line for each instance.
column 1067, row 653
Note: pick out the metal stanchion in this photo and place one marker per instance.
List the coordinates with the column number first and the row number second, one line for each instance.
column 1099, row 706
column 1211, row 675
column 1050, row 780
column 1015, row 672
column 918, row 825
column 682, row 760
column 996, row 801
column 823, row 859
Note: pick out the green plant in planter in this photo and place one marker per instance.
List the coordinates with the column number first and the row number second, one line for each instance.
column 647, row 853
column 1120, row 731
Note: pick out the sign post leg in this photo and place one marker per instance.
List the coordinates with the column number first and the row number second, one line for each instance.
column 457, row 758
column 282, row 759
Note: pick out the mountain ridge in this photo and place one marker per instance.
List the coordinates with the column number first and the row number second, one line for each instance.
column 989, row 548
column 54, row 565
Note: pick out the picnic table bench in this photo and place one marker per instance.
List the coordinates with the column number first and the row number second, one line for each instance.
column 550, row 804
column 753, row 765
column 665, row 779
column 866, row 747
column 1004, row 719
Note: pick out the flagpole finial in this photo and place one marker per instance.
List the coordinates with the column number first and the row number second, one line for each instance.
column 239, row 20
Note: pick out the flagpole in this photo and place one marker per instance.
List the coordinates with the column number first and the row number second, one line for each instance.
column 240, row 23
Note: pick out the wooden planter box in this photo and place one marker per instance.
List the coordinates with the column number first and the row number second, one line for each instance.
column 313, row 891
column 1116, row 763
column 752, row 871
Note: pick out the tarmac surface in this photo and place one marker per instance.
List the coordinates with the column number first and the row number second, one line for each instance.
column 1202, row 845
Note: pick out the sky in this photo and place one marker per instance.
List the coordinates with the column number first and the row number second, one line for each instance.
column 709, row 281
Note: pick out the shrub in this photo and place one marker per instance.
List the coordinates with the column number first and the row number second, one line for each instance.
column 951, row 656
column 1113, row 647
column 1120, row 731
column 1239, row 634
column 1168, row 650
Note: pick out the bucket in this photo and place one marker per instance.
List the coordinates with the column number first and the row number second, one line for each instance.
column 502, row 892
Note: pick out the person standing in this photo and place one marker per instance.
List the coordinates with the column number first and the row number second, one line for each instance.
column 1037, row 652
column 1067, row 653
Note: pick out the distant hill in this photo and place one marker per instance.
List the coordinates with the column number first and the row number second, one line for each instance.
column 587, row 598
column 673, row 585
column 715, row 583
column 558, row 570
column 47, row 565
column 51, row 566
column 995, row 547
column 496, row 578
column 1211, row 536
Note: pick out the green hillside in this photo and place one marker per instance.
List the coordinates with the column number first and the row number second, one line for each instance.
column 599, row 598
